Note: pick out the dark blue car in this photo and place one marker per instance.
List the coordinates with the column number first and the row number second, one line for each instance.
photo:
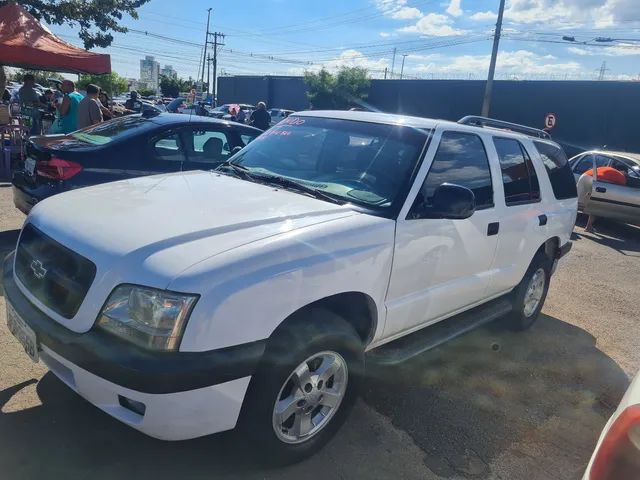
column 123, row 148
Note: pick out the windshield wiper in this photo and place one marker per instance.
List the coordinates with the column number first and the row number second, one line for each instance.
column 289, row 184
column 238, row 170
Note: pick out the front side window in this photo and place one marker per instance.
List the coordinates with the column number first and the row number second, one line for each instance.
column 584, row 164
column 560, row 175
column 369, row 164
column 169, row 148
column 460, row 159
column 518, row 175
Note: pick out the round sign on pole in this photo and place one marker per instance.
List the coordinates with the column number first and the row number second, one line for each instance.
column 549, row 121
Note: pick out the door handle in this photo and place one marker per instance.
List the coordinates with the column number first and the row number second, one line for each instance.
column 493, row 228
column 542, row 220
column 601, row 190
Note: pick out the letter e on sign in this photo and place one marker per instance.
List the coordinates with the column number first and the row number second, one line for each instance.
column 549, row 121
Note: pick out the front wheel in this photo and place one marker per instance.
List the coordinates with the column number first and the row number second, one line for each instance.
column 530, row 294
column 304, row 387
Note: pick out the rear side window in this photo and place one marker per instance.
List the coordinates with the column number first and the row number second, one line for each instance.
column 558, row 169
column 518, row 175
column 460, row 159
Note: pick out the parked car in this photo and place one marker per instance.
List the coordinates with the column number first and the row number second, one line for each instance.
column 224, row 111
column 123, row 148
column 278, row 114
column 601, row 197
column 196, row 302
column 617, row 454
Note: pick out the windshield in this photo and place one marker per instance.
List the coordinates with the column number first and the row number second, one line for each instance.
column 106, row 132
column 362, row 163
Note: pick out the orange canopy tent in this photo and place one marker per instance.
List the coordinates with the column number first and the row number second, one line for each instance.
column 26, row 43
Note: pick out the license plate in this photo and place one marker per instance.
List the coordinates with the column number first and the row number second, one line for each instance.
column 30, row 166
column 25, row 334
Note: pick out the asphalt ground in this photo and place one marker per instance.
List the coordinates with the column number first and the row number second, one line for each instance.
column 492, row 404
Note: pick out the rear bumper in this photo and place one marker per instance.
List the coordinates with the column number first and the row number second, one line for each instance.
column 186, row 394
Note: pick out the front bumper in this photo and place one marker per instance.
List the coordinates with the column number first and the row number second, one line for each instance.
column 185, row 394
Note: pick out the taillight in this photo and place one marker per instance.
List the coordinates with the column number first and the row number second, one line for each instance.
column 58, row 168
column 618, row 457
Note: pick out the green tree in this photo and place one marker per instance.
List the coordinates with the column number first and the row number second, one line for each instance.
column 171, row 87
column 41, row 76
column 96, row 19
column 346, row 89
column 112, row 83
column 146, row 92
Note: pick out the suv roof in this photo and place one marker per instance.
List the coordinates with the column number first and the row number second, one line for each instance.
column 470, row 122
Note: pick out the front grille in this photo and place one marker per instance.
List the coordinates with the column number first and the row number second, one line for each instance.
column 55, row 275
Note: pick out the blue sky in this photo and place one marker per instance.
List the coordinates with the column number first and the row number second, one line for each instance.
column 438, row 38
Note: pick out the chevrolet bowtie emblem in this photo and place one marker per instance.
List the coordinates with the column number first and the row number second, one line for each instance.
column 38, row 269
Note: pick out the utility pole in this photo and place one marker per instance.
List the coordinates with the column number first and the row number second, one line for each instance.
column 385, row 73
column 393, row 62
column 486, row 104
column 208, row 72
column 216, row 44
column 206, row 41
column 404, row 55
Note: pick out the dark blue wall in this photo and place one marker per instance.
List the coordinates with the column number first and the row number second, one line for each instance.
column 590, row 114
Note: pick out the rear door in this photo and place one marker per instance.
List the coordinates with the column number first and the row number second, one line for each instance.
column 209, row 145
column 523, row 221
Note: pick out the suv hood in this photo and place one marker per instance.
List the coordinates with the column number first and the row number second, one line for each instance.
column 148, row 230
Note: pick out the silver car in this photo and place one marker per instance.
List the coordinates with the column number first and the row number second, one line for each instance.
column 601, row 198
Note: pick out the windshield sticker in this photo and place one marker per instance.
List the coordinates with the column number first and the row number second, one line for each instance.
column 292, row 121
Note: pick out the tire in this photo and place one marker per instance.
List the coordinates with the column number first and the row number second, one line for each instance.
column 316, row 338
column 524, row 313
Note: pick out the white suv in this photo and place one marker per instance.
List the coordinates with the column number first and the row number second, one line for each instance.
column 192, row 303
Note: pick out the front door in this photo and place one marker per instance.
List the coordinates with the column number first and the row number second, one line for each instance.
column 616, row 201
column 441, row 266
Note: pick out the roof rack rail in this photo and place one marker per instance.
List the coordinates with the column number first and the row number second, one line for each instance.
column 492, row 123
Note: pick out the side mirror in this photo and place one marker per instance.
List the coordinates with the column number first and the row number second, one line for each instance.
column 450, row 201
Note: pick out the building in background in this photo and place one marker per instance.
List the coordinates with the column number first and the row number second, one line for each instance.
column 169, row 71
column 149, row 74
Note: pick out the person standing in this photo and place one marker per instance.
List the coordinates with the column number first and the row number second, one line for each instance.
column 133, row 103
column 68, row 109
column 30, row 99
column 89, row 109
column 260, row 118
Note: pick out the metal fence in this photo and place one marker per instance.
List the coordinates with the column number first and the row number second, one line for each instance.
column 589, row 113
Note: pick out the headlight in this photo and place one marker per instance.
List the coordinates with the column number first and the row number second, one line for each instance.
column 148, row 317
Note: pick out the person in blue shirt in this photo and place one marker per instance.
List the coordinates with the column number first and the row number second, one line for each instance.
column 68, row 108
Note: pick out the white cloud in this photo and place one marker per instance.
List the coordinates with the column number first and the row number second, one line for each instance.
column 571, row 13
column 519, row 63
column 484, row 16
column 406, row 13
column 398, row 9
column 354, row 58
column 435, row 25
column 384, row 34
column 620, row 50
column 454, row 9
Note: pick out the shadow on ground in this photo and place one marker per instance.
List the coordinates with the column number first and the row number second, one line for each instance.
column 489, row 404
column 622, row 237
column 503, row 404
